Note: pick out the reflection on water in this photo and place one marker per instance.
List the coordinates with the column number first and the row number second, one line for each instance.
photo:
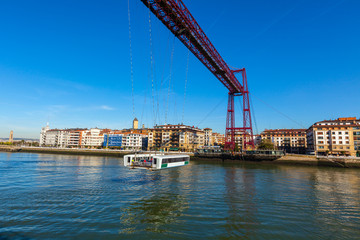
column 240, row 197
column 153, row 214
column 47, row 196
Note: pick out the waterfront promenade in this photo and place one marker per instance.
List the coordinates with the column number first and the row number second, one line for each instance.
column 288, row 159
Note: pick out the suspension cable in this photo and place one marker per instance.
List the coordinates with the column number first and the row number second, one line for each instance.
column 281, row 113
column 151, row 65
column 186, row 79
column 143, row 108
column 131, row 63
column 253, row 114
column 170, row 76
column 212, row 110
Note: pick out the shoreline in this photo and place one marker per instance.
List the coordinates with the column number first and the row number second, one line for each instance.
column 289, row 159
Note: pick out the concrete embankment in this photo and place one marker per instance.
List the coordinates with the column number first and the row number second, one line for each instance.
column 290, row 159
column 344, row 162
column 69, row 151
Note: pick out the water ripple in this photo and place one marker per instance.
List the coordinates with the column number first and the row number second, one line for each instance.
column 55, row 197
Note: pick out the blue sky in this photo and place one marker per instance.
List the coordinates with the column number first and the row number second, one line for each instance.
column 67, row 63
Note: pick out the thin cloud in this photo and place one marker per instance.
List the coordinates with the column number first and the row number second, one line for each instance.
column 108, row 108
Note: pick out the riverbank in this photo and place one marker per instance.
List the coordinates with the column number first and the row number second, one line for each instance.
column 289, row 159
column 68, row 151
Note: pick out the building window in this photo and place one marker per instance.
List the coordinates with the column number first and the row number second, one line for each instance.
column 334, row 142
column 320, row 137
column 340, row 137
column 346, row 133
column 321, row 147
column 340, row 142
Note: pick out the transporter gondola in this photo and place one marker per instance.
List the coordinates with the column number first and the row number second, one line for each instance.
column 155, row 161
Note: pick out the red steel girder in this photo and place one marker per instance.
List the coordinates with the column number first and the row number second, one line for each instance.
column 177, row 18
column 246, row 131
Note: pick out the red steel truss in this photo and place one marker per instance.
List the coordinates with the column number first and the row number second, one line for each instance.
column 177, row 18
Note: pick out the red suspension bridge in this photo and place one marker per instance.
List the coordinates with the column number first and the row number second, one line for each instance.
column 177, row 18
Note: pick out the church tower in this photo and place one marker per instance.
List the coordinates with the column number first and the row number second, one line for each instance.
column 11, row 137
column 135, row 123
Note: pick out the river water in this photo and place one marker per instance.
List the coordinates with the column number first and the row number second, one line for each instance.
column 44, row 196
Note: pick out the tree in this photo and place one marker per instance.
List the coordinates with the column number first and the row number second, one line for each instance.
column 237, row 149
column 266, row 144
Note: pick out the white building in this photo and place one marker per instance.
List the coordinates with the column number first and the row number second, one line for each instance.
column 51, row 138
column 208, row 137
column 133, row 141
column 92, row 138
column 70, row 137
column 43, row 134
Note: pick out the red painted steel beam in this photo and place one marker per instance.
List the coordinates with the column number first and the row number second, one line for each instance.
column 177, row 18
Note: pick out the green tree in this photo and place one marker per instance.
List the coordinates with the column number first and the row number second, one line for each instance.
column 237, row 148
column 266, row 144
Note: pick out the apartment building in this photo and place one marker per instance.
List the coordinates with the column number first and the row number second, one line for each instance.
column 43, row 135
column 335, row 137
column 113, row 140
column 133, row 141
column 51, row 137
column 208, row 135
column 218, row 139
column 289, row 140
column 92, row 138
column 175, row 137
column 74, row 136
column 134, row 138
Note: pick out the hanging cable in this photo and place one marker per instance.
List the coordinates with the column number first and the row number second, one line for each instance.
column 170, row 76
column 151, row 66
column 186, row 79
column 143, row 108
column 212, row 110
column 131, row 63
column 163, row 70
column 175, row 110
column 253, row 114
column 278, row 111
